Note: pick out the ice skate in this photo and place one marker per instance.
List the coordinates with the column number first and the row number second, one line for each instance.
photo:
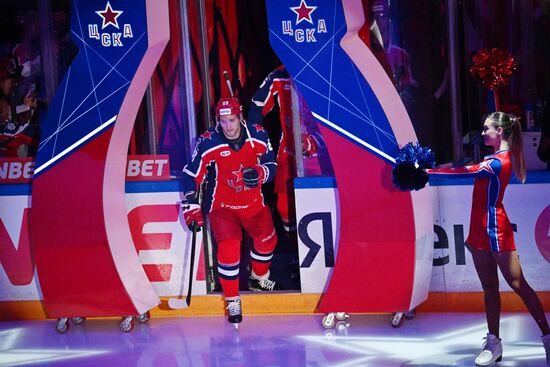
column 546, row 343
column 234, row 312
column 262, row 284
column 491, row 353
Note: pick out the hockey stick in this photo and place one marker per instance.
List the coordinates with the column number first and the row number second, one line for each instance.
column 226, row 77
column 178, row 303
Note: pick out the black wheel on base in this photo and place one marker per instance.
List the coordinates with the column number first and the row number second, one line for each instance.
column 397, row 320
column 144, row 317
column 127, row 324
column 409, row 315
column 328, row 321
column 62, row 325
column 79, row 320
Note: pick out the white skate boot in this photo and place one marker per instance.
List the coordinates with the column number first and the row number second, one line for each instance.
column 546, row 343
column 491, row 353
column 262, row 283
column 234, row 312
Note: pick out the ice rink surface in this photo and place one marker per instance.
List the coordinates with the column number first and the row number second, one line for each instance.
column 430, row 339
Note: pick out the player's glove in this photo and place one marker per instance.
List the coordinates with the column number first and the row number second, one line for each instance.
column 309, row 145
column 192, row 214
column 252, row 176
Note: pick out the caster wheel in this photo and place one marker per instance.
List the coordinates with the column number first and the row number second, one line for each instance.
column 62, row 325
column 397, row 320
column 127, row 324
column 341, row 316
column 144, row 317
column 78, row 320
column 329, row 335
column 409, row 315
column 342, row 327
column 328, row 321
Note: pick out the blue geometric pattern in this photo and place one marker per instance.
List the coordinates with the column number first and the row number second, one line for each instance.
column 91, row 93
column 336, row 92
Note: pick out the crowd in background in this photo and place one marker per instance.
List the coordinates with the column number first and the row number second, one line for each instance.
column 20, row 71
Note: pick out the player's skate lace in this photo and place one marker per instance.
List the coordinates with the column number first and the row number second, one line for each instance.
column 262, row 284
column 491, row 353
column 267, row 284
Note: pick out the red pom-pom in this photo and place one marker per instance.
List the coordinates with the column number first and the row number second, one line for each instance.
column 493, row 67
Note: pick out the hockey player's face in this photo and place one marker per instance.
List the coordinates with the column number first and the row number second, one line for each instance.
column 231, row 126
column 491, row 134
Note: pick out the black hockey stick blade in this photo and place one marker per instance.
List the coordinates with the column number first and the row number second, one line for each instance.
column 178, row 303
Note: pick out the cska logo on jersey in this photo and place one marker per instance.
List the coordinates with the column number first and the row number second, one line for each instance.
column 304, row 17
column 109, row 31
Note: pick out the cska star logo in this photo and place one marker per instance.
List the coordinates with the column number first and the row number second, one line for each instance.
column 234, row 182
column 207, row 135
column 109, row 19
column 109, row 16
column 239, row 173
column 304, row 13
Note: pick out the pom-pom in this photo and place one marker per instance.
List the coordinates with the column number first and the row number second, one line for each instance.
column 411, row 161
column 492, row 67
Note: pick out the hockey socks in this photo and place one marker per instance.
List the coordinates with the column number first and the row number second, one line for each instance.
column 261, row 255
column 229, row 255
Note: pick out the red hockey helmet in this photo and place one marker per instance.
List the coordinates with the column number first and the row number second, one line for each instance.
column 228, row 106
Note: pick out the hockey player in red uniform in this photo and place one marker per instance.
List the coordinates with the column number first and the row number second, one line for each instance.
column 234, row 159
column 491, row 238
column 275, row 91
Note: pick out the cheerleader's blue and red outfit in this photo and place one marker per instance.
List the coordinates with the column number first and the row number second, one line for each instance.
column 229, row 203
column 490, row 228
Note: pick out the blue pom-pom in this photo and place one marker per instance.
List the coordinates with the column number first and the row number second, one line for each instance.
column 408, row 173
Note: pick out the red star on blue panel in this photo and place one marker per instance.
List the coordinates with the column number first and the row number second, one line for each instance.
column 109, row 16
column 259, row 127
column 303, row 12
column 207, row 135
column 239, row 173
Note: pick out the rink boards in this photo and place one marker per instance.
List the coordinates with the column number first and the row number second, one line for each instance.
column 163, row 244
column 528, row 206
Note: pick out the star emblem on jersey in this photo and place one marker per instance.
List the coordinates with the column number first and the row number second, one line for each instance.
column 259, row 127
column 486, row 166
column 303, row 12
column 109, row 16
column 239, row 173
column 207, row 135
